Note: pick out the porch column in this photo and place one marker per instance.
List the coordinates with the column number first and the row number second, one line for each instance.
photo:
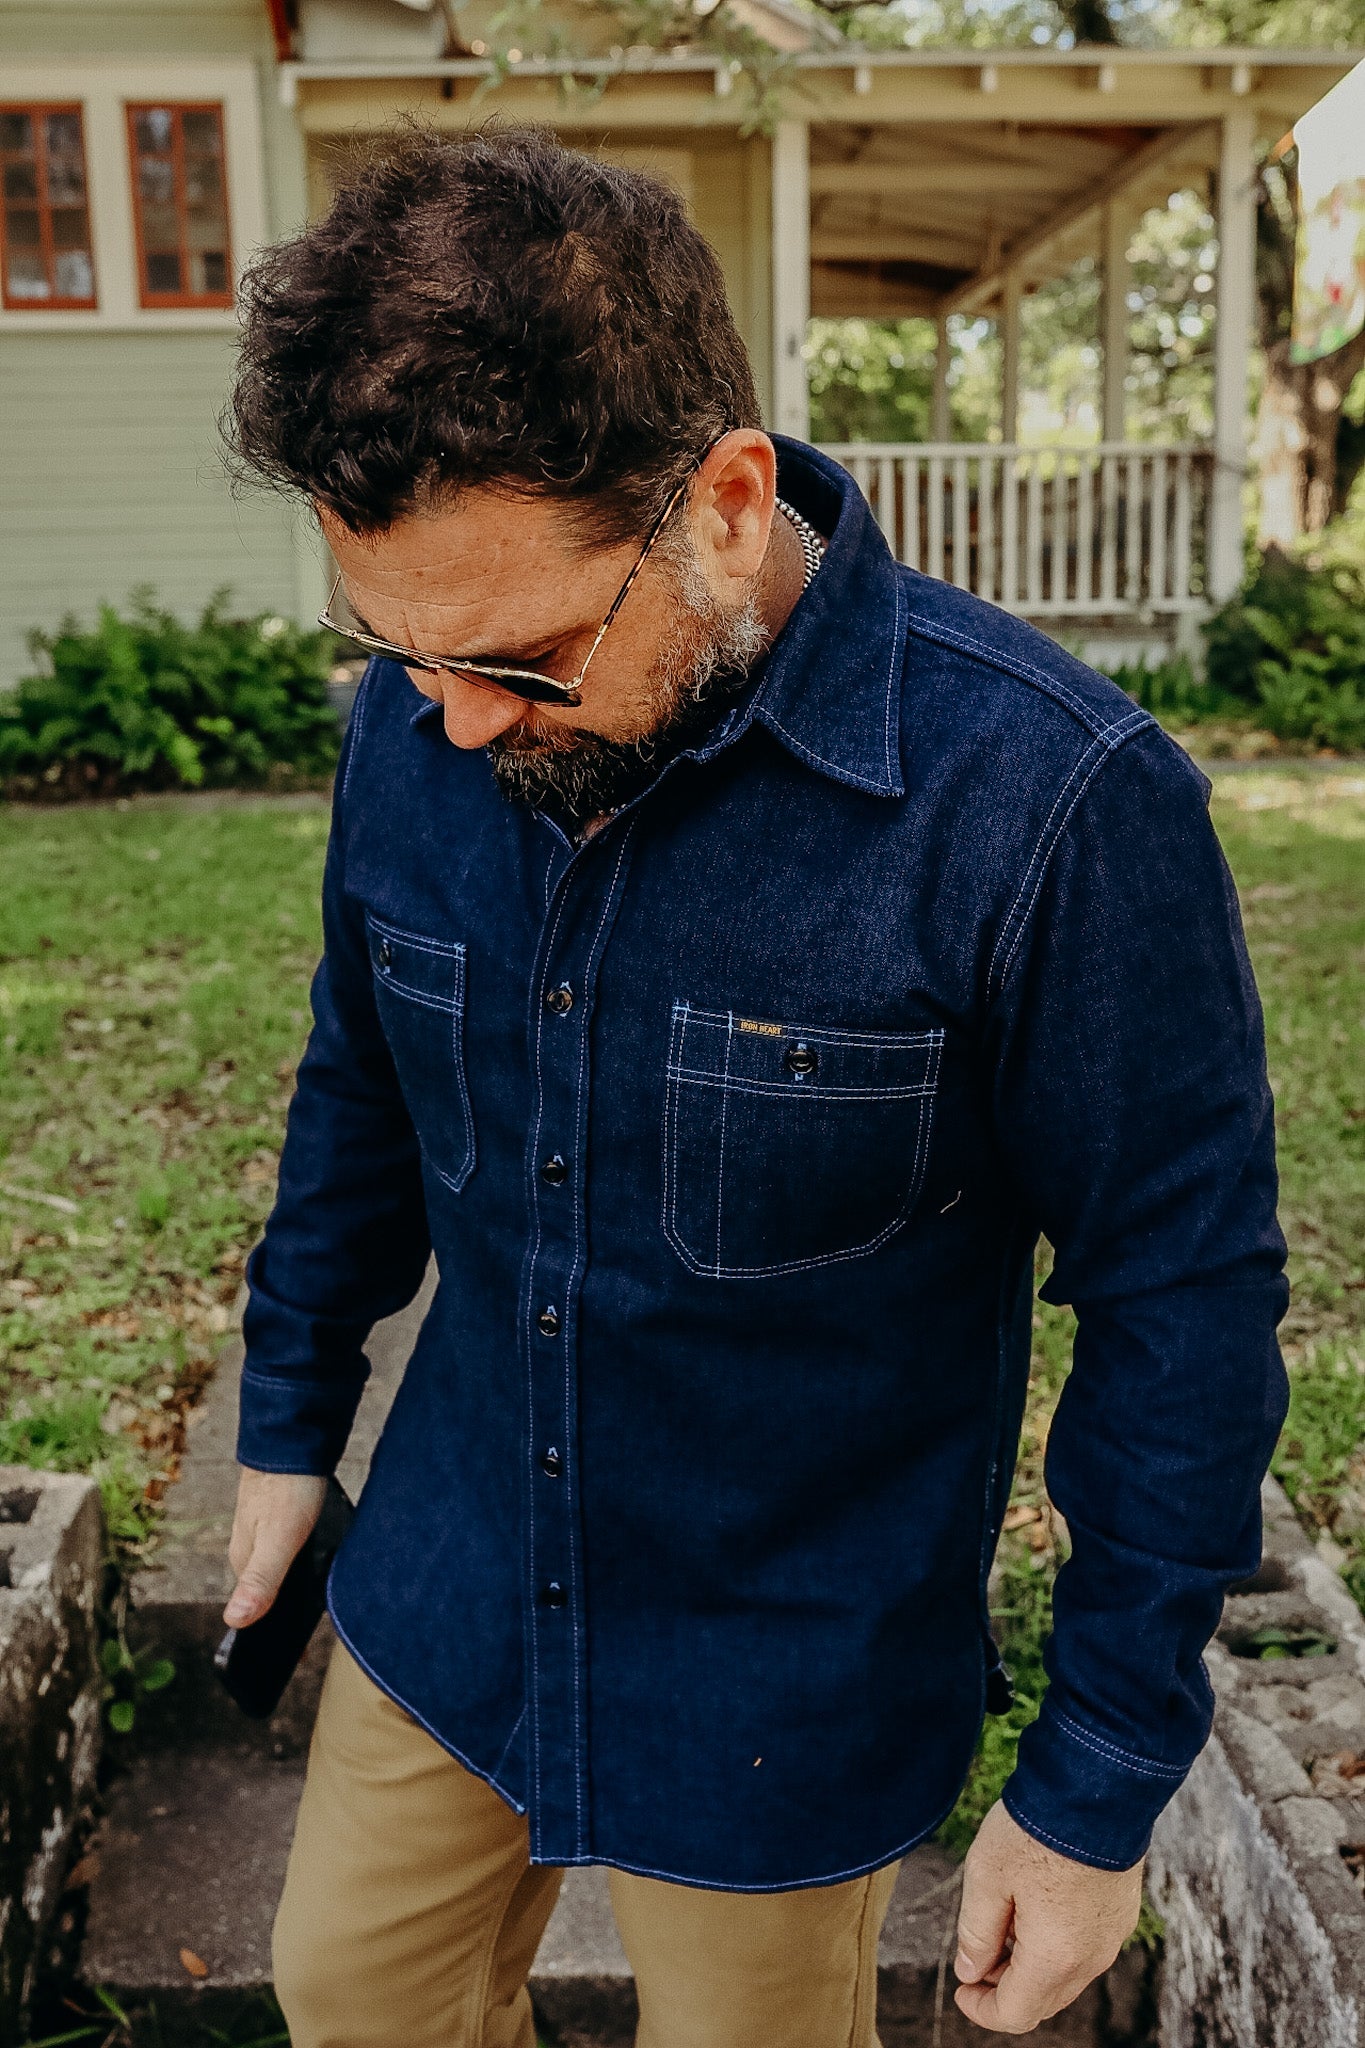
column 1011, row 300
column 940, row 417
column 1232, row 349
column 791, row 276
column 1114, row 322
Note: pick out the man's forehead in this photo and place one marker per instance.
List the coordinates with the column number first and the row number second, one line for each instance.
column 519, row 556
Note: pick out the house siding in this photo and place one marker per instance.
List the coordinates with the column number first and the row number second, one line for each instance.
column 112, row 478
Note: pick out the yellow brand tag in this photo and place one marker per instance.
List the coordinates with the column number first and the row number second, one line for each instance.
column 764, row 1030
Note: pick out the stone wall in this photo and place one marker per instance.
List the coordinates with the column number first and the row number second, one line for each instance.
column 51, row 1555
column 1257, row 1865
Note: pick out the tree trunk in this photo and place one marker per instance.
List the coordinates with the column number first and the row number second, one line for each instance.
column 1296, row 440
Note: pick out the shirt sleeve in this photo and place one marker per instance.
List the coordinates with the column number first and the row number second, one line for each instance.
column 1134, row 1113
column 347, row 1242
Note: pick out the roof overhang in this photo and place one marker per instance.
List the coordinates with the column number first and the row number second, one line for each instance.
column 933, row 172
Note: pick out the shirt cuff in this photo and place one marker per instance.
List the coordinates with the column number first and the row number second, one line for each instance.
column 295, row 1425
column 1083, row 1796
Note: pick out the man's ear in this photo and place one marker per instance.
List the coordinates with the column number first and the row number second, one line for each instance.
column 733, row 500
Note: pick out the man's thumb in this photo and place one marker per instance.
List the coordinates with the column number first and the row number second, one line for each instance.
column 257, row 1584
column 982, row 1927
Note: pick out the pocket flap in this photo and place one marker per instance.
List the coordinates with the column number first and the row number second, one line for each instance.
column 760, row 1055
column 422, row 969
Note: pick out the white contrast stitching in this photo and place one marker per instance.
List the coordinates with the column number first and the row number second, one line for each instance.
column 720, row 1162
column 517, row 1805
column 1082, row 1855
column 929, row 1041
column 1147, row 1767
column 794, row 1091
column 1024, row 671
column 571, row 1462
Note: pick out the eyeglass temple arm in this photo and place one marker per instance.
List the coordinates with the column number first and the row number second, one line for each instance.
column 624, row 592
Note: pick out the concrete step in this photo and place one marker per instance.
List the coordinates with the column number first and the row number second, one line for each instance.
column 199, row 1814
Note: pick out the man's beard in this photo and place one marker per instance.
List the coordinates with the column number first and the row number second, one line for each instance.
column 578, row 776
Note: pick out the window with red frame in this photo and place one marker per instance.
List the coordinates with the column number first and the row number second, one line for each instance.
column 46, row 261
column 180, row 205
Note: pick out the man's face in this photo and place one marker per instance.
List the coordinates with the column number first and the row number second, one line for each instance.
column 510, row 580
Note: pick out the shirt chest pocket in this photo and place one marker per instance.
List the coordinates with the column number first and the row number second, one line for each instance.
column 419, row 986
column 787, row 1147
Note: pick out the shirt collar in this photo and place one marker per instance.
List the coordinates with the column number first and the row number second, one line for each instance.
column 829, row 688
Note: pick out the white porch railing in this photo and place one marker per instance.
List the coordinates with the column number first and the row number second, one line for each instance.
column 1051, row 532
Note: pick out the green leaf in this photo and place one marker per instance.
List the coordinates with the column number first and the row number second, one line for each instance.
column 158, row 1675
column 111, row 2004
column 121, row 1716
column 113, row 1657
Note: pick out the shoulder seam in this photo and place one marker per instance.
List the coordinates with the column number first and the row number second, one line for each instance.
column 1087, row 765
column 1111, row 735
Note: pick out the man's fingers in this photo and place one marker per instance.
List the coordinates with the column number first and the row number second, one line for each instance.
column 983, row 1923
column 276, row 1512
column 1021, row 1996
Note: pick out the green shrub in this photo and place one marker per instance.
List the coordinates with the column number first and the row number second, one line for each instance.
column 1292, row 648
column 1171, row 689
column 143, row 701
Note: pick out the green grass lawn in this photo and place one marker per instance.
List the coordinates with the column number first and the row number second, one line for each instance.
column 154, row 969
column 154, row 965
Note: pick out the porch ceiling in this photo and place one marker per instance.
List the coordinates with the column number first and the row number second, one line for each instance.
column 914, row 220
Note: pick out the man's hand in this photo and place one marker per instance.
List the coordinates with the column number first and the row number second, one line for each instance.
column 1035, row 1928
column 275, row 1515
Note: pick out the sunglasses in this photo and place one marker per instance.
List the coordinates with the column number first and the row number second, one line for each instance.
column 530, row 683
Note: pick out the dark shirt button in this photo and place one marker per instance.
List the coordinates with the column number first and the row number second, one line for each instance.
column 549, row 1464
column 559, row 999
column 801, row 1060
column 547, row 1322
column 554, row 1594
column 554, row 1170
column 385, row 955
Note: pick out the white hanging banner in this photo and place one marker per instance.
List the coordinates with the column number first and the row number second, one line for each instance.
column 1329, row 267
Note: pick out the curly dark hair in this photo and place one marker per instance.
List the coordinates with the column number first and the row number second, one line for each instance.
column 492, row 308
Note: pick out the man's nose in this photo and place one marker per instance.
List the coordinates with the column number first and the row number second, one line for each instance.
column 473, row 716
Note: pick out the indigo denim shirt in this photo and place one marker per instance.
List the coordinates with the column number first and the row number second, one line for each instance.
column 732, row 1131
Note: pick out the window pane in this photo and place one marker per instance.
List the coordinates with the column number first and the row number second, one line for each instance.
column 160, row 227
column 203, row 182
column 75, row 275
column 16, row 132
column 21, row 228
column 163, row 272
column 209, row 271
column 64, row 134
column 25, row 277
column 156, row 180
column 65, row 180
column 21, row 181
column 154, row 126
column 68, row 228
column 202, row 129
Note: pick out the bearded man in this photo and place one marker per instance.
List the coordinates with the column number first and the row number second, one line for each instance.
column 739, row 949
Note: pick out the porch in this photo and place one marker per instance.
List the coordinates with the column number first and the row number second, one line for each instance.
column 1112, row 533
column 931, row 183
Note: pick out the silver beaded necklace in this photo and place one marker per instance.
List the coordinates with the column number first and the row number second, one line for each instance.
column 812, row 543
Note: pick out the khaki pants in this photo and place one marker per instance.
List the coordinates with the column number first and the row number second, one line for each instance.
column 412, row 1913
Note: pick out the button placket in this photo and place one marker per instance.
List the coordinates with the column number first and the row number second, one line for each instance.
column 578, row 917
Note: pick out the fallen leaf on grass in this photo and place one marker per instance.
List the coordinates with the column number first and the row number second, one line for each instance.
column 196, row 1965
column 1020, row 1515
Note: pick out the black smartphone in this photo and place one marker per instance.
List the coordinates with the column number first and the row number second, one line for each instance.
column 257, row 1662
